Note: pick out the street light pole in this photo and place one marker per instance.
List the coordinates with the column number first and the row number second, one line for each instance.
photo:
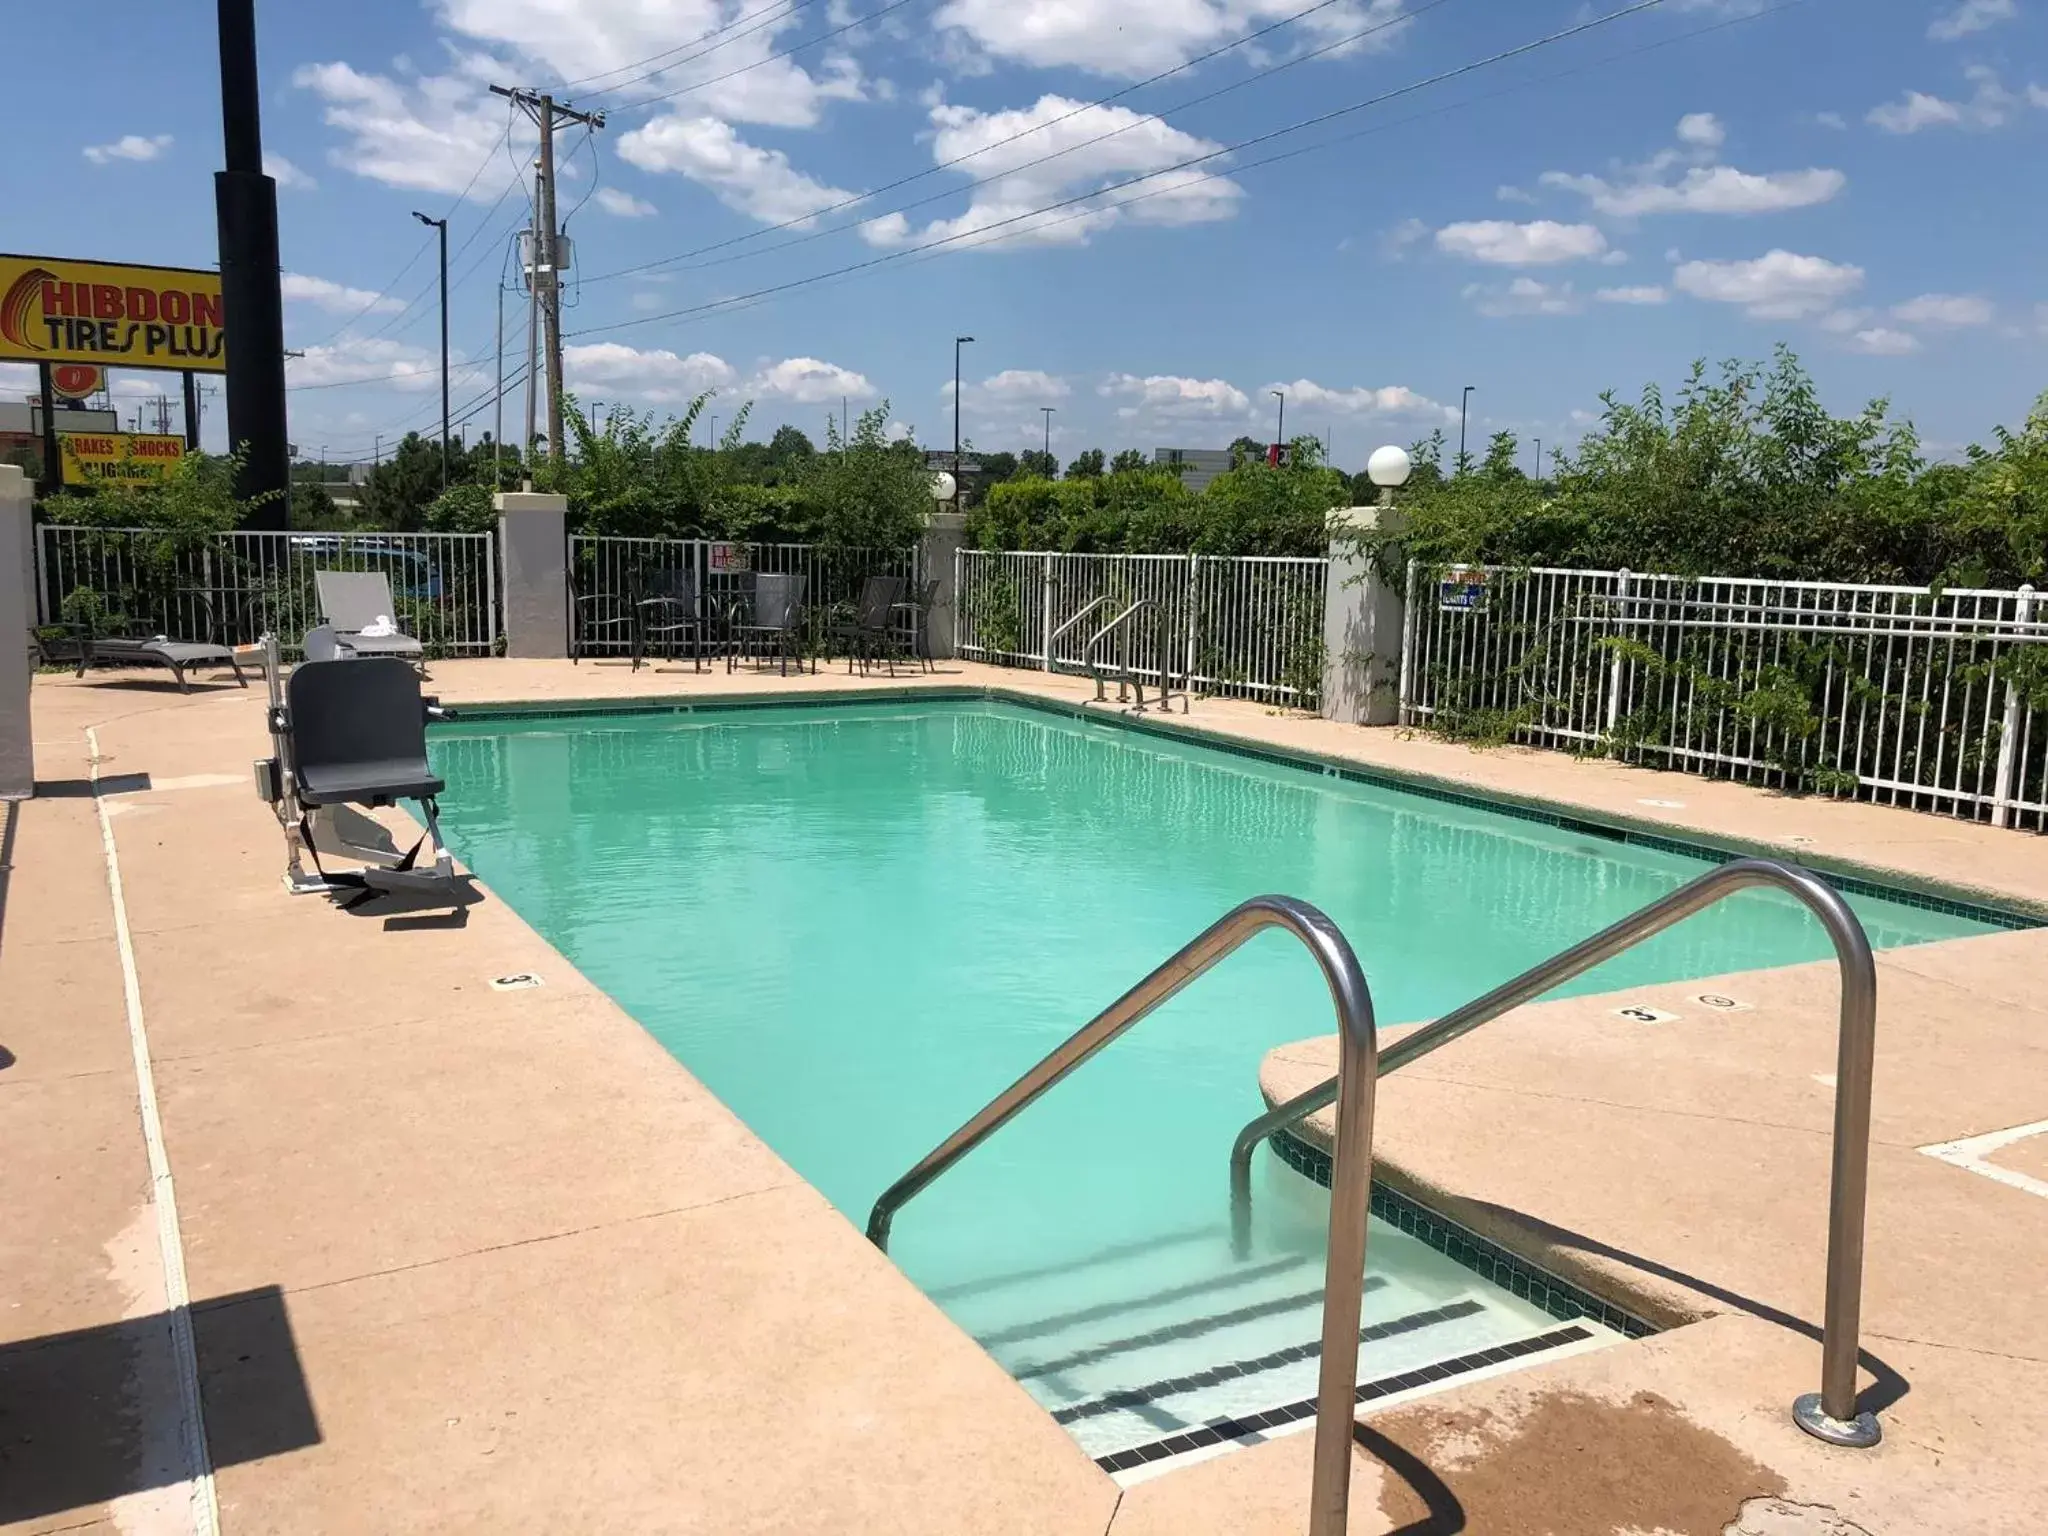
column 1463, row 401
column 441, row 227
column 1280, row 430
column 1048, row 410
column 958, row 343
column 1539, row 458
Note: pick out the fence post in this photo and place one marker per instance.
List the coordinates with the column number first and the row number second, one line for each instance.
column 1045, row 626
column 533, row 533
column 1187, row 676
column 943, row 540
column 2005, row 790
column 1364, row 621
column 17, row 615
column 1614, row 668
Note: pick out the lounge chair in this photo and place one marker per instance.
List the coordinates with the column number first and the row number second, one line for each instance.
column 866, row 632
column 773, row 618
column 357, row 606
column 77, row 645
column 604, row 616
column 918, row 609
column 353, row 733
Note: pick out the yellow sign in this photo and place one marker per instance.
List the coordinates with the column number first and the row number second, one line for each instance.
column 94, row 458
column 55, row 311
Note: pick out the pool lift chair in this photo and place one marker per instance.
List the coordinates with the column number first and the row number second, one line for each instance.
column 352, row 732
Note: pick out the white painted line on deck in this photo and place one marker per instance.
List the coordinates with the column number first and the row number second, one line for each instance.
column 1971, row 1152
column 170, row 1240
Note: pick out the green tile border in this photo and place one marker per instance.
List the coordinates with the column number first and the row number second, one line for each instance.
column 1487, row 1259
column 1933, row 900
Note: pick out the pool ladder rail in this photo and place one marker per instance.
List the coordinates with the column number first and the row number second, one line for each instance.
column 1123, row 626
column 1830, row 1414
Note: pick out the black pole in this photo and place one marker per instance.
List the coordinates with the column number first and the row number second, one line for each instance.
column 191, row 412
column 1463, row 400
column 958, row 341
column 1048, row 409
column 53, row 457
column 245, row 205
column 441, row 227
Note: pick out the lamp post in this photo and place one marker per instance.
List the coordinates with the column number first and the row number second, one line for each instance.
column 1463, row 400
column 441, row 227
column 1280, row 428
column 958, row 343
column 1389, row 469
column 1048, row 410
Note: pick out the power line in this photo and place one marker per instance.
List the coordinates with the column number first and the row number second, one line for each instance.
column 772, row 18
column 788, row 6
column 1022, row 133
column 1592, row 24
column 822, row 37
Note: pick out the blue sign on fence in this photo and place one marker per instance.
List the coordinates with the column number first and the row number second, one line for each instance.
column 1462, row 591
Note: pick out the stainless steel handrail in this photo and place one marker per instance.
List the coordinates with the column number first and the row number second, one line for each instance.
column 1829, row 1414
column 1350, row 1176
column 1127, row 673
column 1052, row 643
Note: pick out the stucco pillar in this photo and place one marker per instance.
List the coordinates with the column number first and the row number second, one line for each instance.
column 946, row 536
column 1362, row 616
column 533, row 544
column 17, row 613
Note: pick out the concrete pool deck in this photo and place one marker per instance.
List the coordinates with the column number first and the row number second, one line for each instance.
column 467, row 1259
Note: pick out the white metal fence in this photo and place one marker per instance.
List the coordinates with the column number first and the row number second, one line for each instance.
column 1936, row 701
column 231, row 588
column 608, row 574
column 1241, row 626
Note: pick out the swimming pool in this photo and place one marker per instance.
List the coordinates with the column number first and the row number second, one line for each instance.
column 857, row 922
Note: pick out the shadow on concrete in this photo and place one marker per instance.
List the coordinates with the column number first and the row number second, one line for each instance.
column 1887, row 1387
column 1443, row 1514
column 94, row 1415
column 85, row 789
column 10, row 816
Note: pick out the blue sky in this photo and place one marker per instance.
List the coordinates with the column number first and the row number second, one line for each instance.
column 1706, row 178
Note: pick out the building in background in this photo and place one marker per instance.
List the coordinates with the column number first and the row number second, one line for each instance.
column 1197, row 466
column 21, row 428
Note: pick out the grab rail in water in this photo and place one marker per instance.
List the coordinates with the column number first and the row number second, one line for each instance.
column 1052, row 643
column 1350, row 1177
column 1829, row 1414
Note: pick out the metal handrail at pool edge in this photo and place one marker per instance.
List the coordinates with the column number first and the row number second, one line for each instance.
column 1053, row 642
column 1829, row 1414
column 1126, row 672
column 1351, row 1171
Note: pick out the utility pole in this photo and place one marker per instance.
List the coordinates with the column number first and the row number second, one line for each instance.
column 1280, row 428
column 1463, row 401
column 958, row 343
column 498, row 408
column 548, row 115
column 441, row 227
column 1051, row 467
column 1539, row 458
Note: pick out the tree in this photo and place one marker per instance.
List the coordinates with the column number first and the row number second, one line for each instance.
column 867, row 492
column 1129, row 461
column 1262, row 509
column 398, row 490
column 1037, row 462
column 1087, row 465
column 998, row 467
column 1247, row 450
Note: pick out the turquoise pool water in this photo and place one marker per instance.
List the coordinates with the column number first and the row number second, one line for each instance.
column 857, row 923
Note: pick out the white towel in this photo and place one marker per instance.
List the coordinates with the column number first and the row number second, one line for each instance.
column 379, row 628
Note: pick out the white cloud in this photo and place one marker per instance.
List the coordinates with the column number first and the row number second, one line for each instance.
column 1707, row 189
column 1779, row 285
column 1020, row 384
column 1082, row 147
column 1648, row 293
column 617, row 201
column 1507, row 194
column 1947, row 309
column 1132, row 38
column 333, row 296
column 428, row 133
column 1881, row 342
column 1704, row 187
column 288, row 177
column 1833, row 120
column 1971, row 16
column 1840, row 322
column 380, row 359
column 1395, row 242
column 655, row 376
column 1543, row 242
column 1524, row 296
column 130, row 146
column 1702, row 130
column 758, row 182
column 1390, row 400
column 1172, row 397
column 1989, row 106
column 808, row 381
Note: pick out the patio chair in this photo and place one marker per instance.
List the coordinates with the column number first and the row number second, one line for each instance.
column 866, row 631
column 773, row 618
column 669, row 610
column 78, row 646
column 357, row 606
column 918, row 609
column 353, row 733
column 603, row 616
